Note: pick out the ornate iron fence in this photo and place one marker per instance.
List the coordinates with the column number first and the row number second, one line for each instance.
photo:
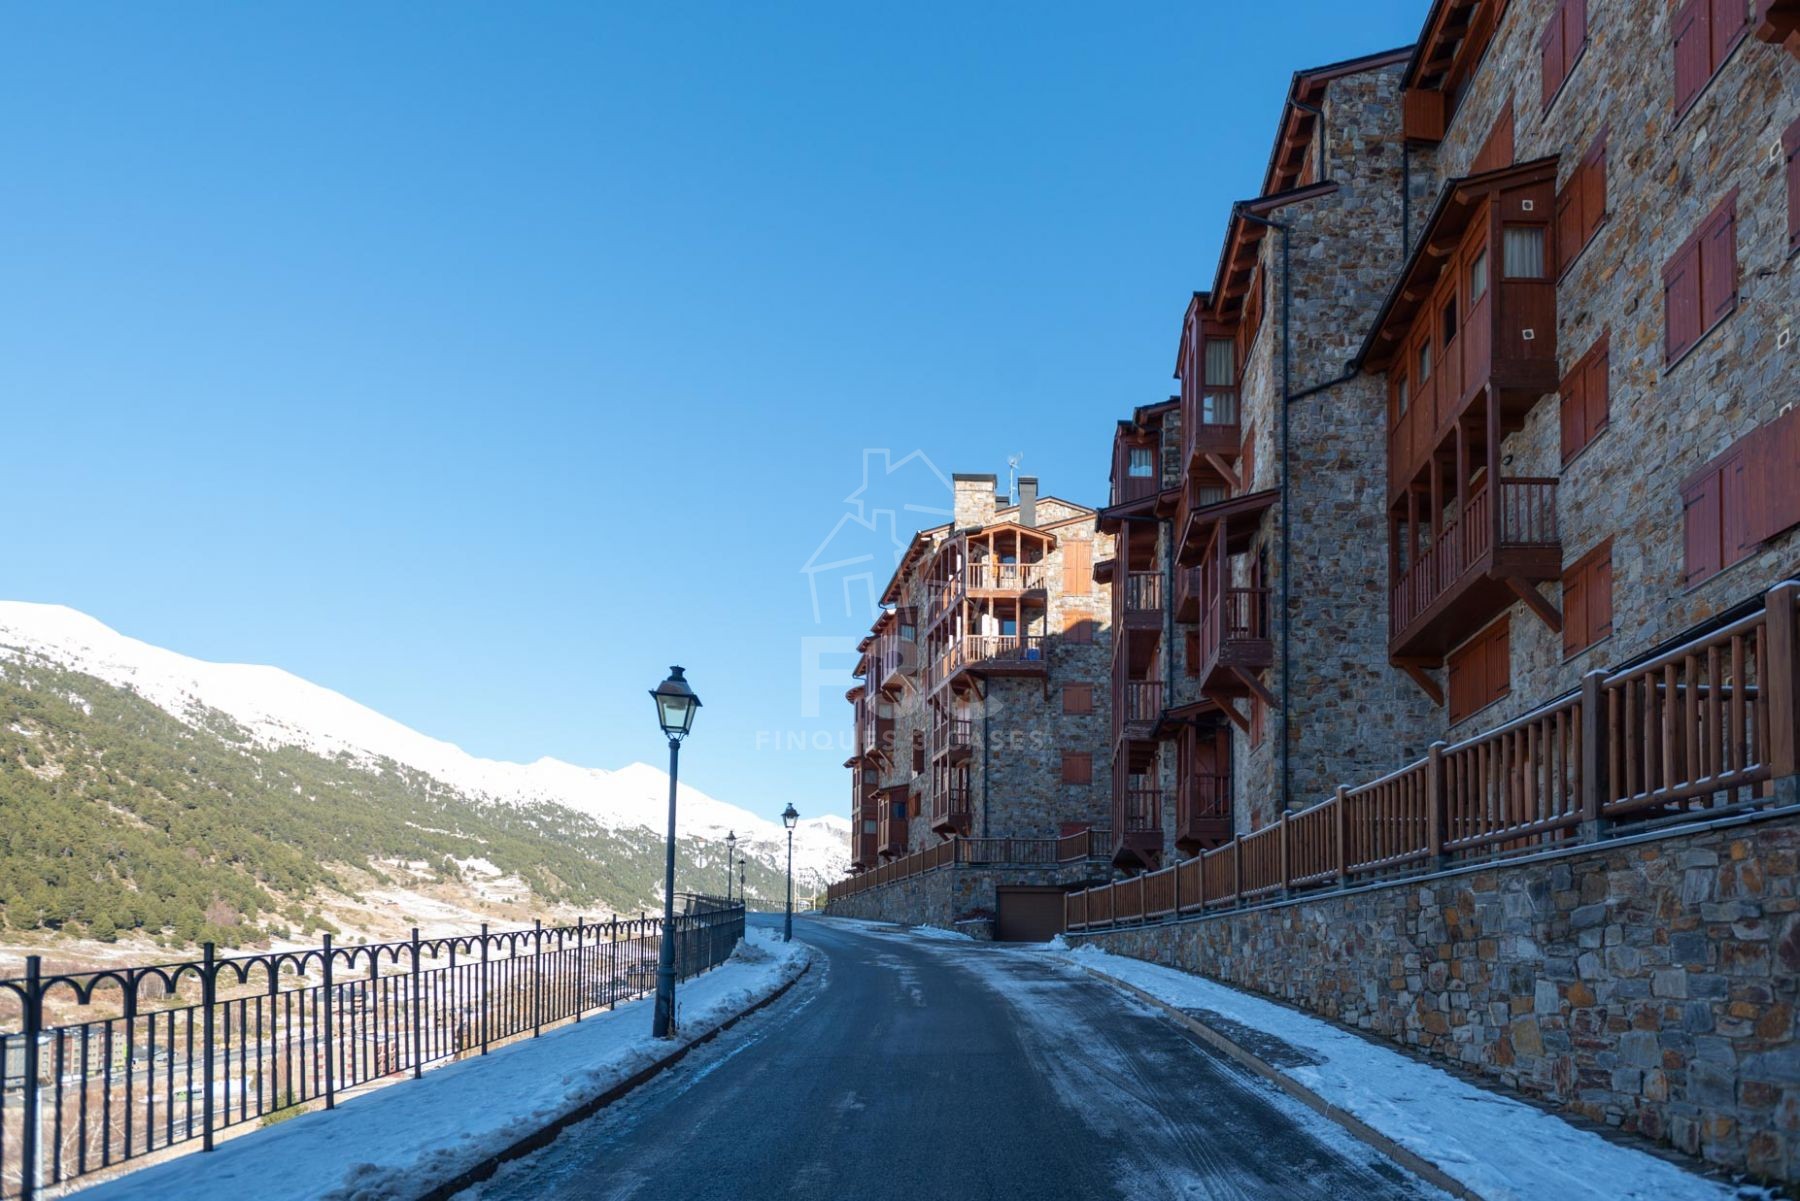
column 192, row 1050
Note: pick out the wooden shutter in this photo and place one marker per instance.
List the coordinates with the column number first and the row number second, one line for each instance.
column 1772, row 477
column 1587, row 599
column 1584, row 398
column 1247, row 461
column 1550, row 50
column 1718, row 265
column 1573, row 413
column 1729, row 19
column 1499, row 661
column 1078, row 568
column 1191, row 655
column 1596, row 385
column 1790, row 142
column 1688, row 31
column 1592, row 174
column 1681, row 302
column 1600, row 597
column 1077, row 767
column 1077, row 627
column 1568, row 222
column 1480, row 671
column 1078, row 699
column 1574, row 611
column 1497, row 151
column 1700, row 527
column 1734, row 530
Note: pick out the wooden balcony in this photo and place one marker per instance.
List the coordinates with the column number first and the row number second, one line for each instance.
column 1478, row 566
column 1202, row 811
column 1187, row 594
column 892, row 842
column 1141, row 599
column 989, row 655
column 950, row 813
column 1139, row 704
column 1137, row 828
column 989, row 579
column 1209, row 425
column 953, row 738
column 1234, row 643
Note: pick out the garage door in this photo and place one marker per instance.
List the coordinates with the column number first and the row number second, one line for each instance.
column 1028, row 914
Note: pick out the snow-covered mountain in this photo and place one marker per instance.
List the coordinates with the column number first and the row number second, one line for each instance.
column 281, row 709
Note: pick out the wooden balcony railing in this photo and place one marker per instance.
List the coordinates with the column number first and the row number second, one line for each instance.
column 1008, row 577
column 1139, row 810
column 1140, row 702
column 1525, row 517
column 1209, row 423
column 1692, row 731
column 974, row 650
column 950, row 801
column 1232, row 615
column 1143, row 592
column 1202, row 796
column 977, row 852
column 953, row 734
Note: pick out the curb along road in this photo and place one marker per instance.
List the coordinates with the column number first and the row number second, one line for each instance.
column 538, row 1139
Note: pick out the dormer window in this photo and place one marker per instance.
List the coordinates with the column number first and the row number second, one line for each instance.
column 1142, row 464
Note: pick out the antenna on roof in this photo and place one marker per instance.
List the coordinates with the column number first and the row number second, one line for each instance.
column 1012, row 475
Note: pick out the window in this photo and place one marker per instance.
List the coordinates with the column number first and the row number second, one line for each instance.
column 1078, row 699
column 1425, row 360
column 1565, row 37
column 1142, row 462
column 1522, row 251
column 1077, row 767
column 1402, row 396
column 1478, row 277
column 1587, row 600
column 1480, row 671
column 1700, row 281
column 1497, row 151
column 1220, row 407
column 1448, row 324
column 1790, row 142
column 1585, row 399
column 1581, row 204
column 1714, row 533
column 1704, row 33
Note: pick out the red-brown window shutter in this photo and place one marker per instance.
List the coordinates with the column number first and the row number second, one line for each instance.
column 1480, row 671
column 1700, row 527
column 1078, row 568
column 1584, row 398
column 1077, row 767
column 1191, row 657
column 1078, row 699
column 1550, row 51
column 1790, row 142
column 1771, row 482
column 1497, row 151
column 1247, row 461
column 1587, row 599
column 1730, row 19
column 1718, row 265
column 1681, row 302
column 1077, row 627
column 1689, row 33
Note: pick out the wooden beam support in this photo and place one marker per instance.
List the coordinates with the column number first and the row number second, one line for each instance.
column 1218, row 465
column 1534, row 600
column 1230, row 710
column 1417, row 674
column 1255, row 685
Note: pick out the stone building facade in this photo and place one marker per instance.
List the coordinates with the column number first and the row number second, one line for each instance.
column 1658, row 446
column 1269, row 669
column 982, row 697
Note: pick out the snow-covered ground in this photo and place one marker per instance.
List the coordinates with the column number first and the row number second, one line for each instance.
column 399, row 1142
column 281, row 709
column 1499, row 1148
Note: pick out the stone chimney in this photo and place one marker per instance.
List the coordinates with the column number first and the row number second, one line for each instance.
column 974, row 500
column 1028, row 500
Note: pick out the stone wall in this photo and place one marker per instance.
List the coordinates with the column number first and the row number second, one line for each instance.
column 947, row 895
column 1664, row 173
column 1649, row 984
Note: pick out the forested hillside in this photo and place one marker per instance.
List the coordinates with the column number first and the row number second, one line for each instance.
column 115, row 817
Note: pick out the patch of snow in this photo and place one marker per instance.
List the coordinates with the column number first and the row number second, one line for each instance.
column 280, row 709
column 399, row 1142
column 1499, row 1148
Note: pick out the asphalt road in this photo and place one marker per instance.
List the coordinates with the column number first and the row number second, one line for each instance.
column 902, row 1067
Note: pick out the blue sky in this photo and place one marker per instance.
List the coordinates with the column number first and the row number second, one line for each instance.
column 479, row 361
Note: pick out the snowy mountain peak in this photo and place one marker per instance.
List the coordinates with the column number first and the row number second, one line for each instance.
column 278, row 708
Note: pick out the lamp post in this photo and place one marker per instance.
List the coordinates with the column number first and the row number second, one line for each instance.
column 730, row 854
column 788, row 818
column 675, row 708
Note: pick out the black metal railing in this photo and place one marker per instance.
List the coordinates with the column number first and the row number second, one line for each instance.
column 193, row 1049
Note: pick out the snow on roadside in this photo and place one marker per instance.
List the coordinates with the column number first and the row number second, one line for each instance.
column 1499, row 1148
column 937, row 932
column 400, row 1141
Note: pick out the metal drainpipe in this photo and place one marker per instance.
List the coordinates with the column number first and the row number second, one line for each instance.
column 1287, row 557
column 984, row 757
column 1166, row 527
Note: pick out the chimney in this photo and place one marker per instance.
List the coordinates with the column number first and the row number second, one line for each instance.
column 1028, row 500
column 974, row 505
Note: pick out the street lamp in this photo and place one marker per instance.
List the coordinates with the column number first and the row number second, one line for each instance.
column 730, row 854
column 676, row 705
column 789, row 817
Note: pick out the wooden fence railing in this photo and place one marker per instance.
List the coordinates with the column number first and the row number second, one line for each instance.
column 1705, row 725
column 989, row 852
